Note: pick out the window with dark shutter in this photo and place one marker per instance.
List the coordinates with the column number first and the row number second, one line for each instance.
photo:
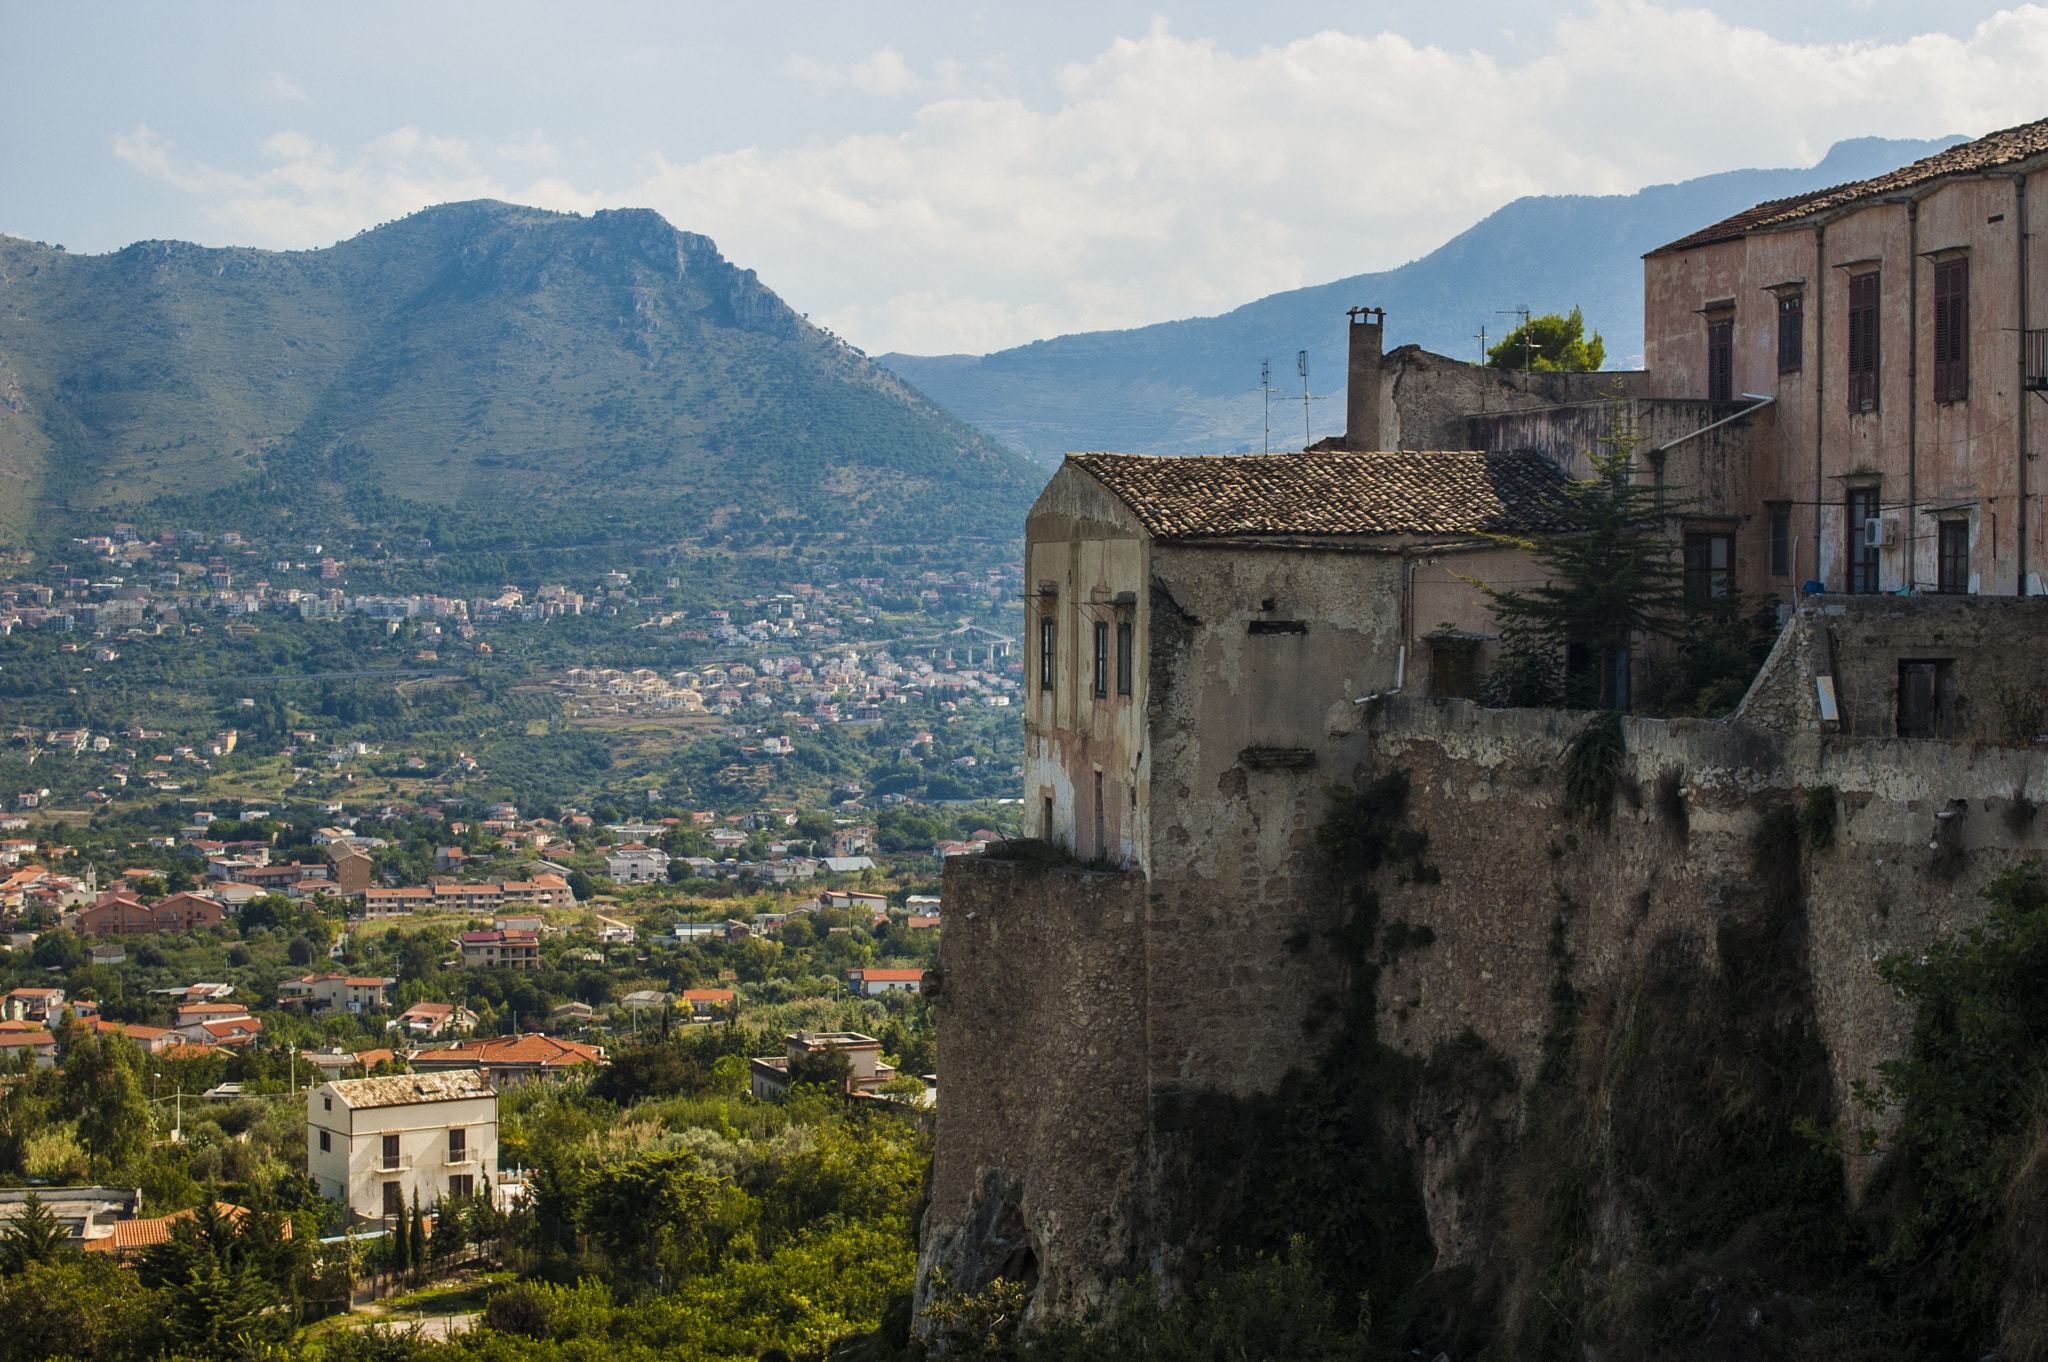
column 1721, row 360
column 1124, row 648
column 1781, row 540
column 1863, row 341
column 1709, row 565
column 1101, row 658
column 1048, row 634
column 1952, row 562
column 1791, row 332
column 1951, row 330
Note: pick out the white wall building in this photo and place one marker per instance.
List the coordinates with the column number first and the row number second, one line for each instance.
column 376, row 1142
column 637, row 865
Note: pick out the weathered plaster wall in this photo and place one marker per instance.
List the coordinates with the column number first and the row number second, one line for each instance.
column 1245, row 730
column 1085, row 546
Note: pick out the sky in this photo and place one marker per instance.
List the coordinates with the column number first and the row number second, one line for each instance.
column 934, row 178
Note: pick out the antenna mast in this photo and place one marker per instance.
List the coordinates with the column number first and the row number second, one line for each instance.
column 1528, row 341
column 1267, row 389
column 1301, row 365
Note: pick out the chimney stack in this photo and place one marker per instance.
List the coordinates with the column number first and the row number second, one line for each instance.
column 1362, row 383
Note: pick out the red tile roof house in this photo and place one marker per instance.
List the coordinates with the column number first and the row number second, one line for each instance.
column 337, row 992
column 132, row 1236
column 707, row 1003
column 870, row 983
column 431, row 1019
column 517, row 950
column 31, row 1004
column 510, row 1061
column 233, row 1034
column 32, row 1041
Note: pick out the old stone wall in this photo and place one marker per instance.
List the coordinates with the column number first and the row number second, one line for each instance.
column 1081, row 1008
column 1042, row 990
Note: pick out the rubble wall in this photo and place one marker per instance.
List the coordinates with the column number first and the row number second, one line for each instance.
column 1073, row 1000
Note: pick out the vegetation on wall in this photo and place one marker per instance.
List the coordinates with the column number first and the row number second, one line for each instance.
column 1550, row 344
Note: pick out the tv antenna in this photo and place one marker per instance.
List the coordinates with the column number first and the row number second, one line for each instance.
column 1529, row 346
column 1301, row 364
column 1267, row 389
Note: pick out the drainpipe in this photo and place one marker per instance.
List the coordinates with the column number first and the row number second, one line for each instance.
column 2019, row 202
column 1820, row 379
column 1910, row 538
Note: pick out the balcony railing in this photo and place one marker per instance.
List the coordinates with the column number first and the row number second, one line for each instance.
column 457, row 1157
column 2034, row 360
column 393, row 1163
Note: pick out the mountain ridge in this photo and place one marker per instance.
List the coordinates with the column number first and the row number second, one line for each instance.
column 481, row 363
column 1189, row 386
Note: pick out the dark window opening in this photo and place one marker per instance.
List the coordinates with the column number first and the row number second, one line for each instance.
column 1454, row 668
column 1721, row 360
column 1709, row 565
column 1048, row 632
column 1781, row 541
column 458, row 1145
column 1125, row 642
column 1277, row 627
column 1791, row 333
column 1045, row 827
column 462, row 1185
column 394, row 1199
column 1951, row 330
column 1926, row 698
column 1863, row 341
column 1952, row 560
column 1101, row 658
column 326, row 1142
column 391, row 1151
column 1101, row 825
column 1862, row 553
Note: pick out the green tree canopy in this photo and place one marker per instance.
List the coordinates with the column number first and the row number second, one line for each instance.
column 1550, row 344
column 33, row 1236
column 103, row 1084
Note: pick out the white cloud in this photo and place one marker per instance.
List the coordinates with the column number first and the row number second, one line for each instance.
column 282, row 88
column 1167, row 176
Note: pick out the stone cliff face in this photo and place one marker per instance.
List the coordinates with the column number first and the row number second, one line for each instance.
column 1581, row 1052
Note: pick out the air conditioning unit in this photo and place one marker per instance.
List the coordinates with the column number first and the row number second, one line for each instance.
column 1881, row 532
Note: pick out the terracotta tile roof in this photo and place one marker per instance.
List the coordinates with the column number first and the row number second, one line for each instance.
column 130, row 1235
column 1333, row 492
column 2007, row 147
column 707, row 995
column 890, row 976
column 530, row 1049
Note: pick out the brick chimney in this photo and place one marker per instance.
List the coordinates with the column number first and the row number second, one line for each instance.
column 1362, row 383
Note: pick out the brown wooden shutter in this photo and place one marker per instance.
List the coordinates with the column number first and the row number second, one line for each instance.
column 1863, row 341
column 1951, row 330
column 1721, row 360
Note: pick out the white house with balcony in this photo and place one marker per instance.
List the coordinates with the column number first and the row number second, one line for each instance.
column 376, row 1143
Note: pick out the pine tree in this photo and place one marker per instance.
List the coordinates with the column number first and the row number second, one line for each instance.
column 418, row 1236
column 36, row 1235
column 1611, row 580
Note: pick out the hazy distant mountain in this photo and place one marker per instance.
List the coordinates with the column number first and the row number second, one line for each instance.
column 510, row 373
column 1189, row 387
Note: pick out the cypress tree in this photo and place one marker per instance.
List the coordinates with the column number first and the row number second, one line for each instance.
column 401, row 1242
column 419, row 1234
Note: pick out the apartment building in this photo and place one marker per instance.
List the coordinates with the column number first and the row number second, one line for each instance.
column 376, row 1144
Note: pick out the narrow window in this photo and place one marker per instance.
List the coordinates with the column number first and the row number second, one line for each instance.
column 329, row 1101
column 1952, row 567
column 1709, row 565
column 391, row 1151
column 1791, row 332
column 1046, row 827
column 326, row 1142
column 1048, row 631
column 1781, row 541
column 1101, row 658
column 1951, row 330
column 1862, row 553
column 458, row 1145
column 1721, row 360
column 394, row 1199
column 1863, row 341
column 462, row 1185
column 1124, row 638
column 1926, row 696
column 1101, row 826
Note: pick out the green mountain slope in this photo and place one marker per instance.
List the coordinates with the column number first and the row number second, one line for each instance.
column 491, row 372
